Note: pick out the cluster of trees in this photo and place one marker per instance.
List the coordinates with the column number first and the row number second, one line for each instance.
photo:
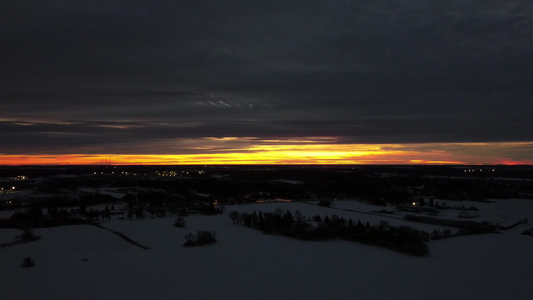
column 325, row 203
column 202, row 237
column 528, row 231
column 403, row 238
column 91, row 199
column 464, row 227
column 94, row 215
column 441, row 234
column 209, row 209
column 35, row 218
column 136, row 211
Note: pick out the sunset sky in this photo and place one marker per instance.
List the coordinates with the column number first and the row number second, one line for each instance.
column 266, row 82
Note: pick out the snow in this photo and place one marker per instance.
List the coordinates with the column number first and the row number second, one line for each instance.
column 246, row 264
column 7, row 235
column 289, row 181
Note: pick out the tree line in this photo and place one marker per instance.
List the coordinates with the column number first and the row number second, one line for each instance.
column 464, row 227
column 402, row 238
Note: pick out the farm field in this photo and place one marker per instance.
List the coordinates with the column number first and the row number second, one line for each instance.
column 86, row 262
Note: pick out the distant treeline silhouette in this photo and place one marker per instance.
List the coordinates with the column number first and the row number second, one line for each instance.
column 465, row 227
column 403, row 238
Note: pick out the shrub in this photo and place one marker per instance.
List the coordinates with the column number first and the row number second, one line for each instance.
column 28, row 262
column 180, row 222
column 203, row 237
column 206, row 237
column 28, row 236
column 190, row 239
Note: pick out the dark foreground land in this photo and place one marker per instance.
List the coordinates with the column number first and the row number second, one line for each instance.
column 176, row 187
column 266, row 232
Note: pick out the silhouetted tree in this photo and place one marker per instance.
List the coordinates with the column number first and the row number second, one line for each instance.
column 180, row 222
column 107, row 213
column 234, row 216
column 139, row 213
column 298, row 216
column 260, row 218
column 190, row 238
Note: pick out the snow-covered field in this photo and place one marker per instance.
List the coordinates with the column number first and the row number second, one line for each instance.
column 246, row 264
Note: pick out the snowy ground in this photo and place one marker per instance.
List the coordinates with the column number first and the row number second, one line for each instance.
column 246, row 264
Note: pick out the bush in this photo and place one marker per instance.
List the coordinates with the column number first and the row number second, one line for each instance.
column 190, row 239
column 180, row 222
column 206, row 237
column 28, row 262
column 203, row 237
column 28, row 236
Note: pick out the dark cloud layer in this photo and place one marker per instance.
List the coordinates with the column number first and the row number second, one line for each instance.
column 115, row 74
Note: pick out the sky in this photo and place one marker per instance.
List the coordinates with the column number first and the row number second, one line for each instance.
column 209, row 82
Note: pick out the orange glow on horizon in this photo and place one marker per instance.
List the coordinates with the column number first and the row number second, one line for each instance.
column 305, row 151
